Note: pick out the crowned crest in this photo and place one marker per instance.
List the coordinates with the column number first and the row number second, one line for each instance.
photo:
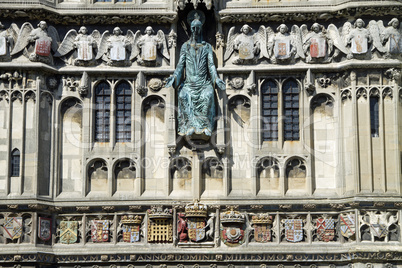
column 293, row 230
column 45, row 228
column 232, row 230
column 68, row 232
column 325, row 229
column 232, row 216
column 262, row 227
column 131, row 228
column 12, row 228
column 131, row 219
column 99, row 231
column 196, row 210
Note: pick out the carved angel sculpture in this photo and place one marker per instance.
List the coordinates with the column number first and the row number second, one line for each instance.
column 7, row 38
column 358, row 38
column 316, row 44
column 37, row 43
column 248, row 44
column 82, row 44
column 283, row 46
column 146, row 46
column 116, row 49
column 392, row 36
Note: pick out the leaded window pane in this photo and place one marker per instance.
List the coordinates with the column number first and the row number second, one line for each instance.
column 374, row 117
column 291, row 111
column 123, row 112
column 15, row 163
column 269, row 91
column 102, row 114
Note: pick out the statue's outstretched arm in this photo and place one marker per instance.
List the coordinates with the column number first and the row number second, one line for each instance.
column 212, row 71
column 174, row 79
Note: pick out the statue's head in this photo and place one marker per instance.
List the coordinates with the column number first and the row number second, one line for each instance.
column 42, row 24
column 394, row 23
column 149, row 30
column 196, row 25
column 359, row 23
column 117, row 31
column 282, row 28
column 83, row 30
column 316, row 27
column 245, row 29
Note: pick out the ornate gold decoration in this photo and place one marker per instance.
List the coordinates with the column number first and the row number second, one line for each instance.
column 196, row 210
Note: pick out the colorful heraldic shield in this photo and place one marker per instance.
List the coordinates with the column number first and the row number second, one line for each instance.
column 68, row 232
column 347, row 225
column 379, row 230
column 148, row 51
column 395, row 44
column 131, row 233
column 359, row 44
column 45, row 228
column 84, row 51
column 196, row 229
column 12, row 228
column 282, row 48
column 294, row 230
column 318, row 47
column 99, row 231
column 262, row 233
column 42, row 47
column 325, row 229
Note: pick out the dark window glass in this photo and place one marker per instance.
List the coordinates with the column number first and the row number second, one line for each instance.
column 123, row 112
column 102, row 114
column 15, row 163
column 124, row 1
column 269, row 93
column 103, row 0
column 374, row 117
column 291, row 111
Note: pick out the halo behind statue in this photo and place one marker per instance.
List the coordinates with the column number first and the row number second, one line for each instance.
column 191, row 16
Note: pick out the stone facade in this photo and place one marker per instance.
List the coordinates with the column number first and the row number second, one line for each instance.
column 303, row 168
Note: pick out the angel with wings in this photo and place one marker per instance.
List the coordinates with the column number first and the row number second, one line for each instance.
column 316, row 44
column 83, row 45
column 146, row 47
column 248, row 44
column 283, row 46
column 7, row 38
column 37, row 43
column 392, row 36
column 357, row 37
column 116, row 49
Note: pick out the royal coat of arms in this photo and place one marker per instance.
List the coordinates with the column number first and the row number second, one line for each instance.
column 232, row 228
column 347, row 225
column 43, row 46
column 325, row 229
column 262, row 227
column 45, row 228
column 12, row 227
column 100, row 231
column 318, row 48
column 68, row 232
column 131, row 228
column 294, row 230
column 196, row 229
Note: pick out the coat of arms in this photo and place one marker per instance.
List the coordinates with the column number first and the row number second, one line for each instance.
column 318, row 47
column 347, row 225
column 12, row 227
column 43, row 46
column 45, row 228
column 262, row 227
column 325, row 229
column 294, row 230
column 100, row 231
column 232, row 229
column 84, row 50
column 379, row 222
column 3, row 46
column 118, row 51
column 282, row 48
column 68, row 232
column 131, row 228
column 196, row 229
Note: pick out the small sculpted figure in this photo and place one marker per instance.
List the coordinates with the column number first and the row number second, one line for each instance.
column 196, row 104
column 247, row 45
column 392, row 37
column 182, row 228
column 38, row 42
column 7, row 38
column 83, row 45
column 211, row 228
column 316, row 44
column 116, row 48
column 283, row 46
column 146, row 47
column 358, row 38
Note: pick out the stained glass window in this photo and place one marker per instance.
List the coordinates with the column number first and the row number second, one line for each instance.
column 269, row 91
column 15, row 163
column 102, row 112
column 291, row 111
column 123, row 112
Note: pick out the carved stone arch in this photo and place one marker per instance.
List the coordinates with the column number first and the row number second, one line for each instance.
column 97, row 174
column 47, row 96
column 322, row 102
column 124, row 175
column 153, row 100
column 30, row 95
column 120, row 81
column 387, row 93
column 361, row 92
column 4, row 96
column 180, row 172
column 295, row 174
column 346, row 94
column 212, row 167
column 98, row 82
column 291, row 79
column 237, row 100
column 374, row 92
column 268, row 175
column 69, row 102
column 16, row 95
column 267, row 80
